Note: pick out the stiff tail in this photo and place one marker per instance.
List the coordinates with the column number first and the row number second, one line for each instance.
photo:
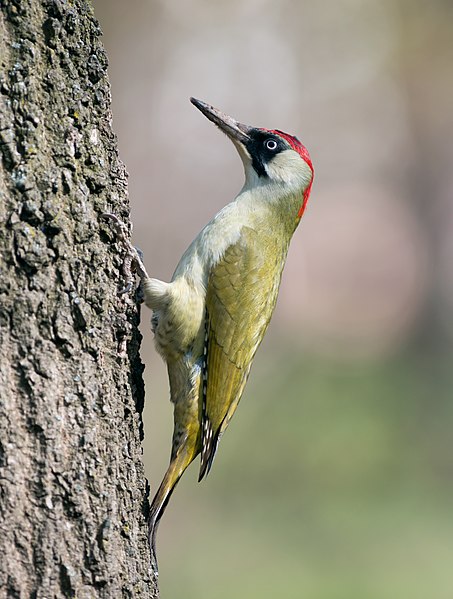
column 176, row 469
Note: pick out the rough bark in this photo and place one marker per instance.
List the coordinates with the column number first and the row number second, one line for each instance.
column 73, row 496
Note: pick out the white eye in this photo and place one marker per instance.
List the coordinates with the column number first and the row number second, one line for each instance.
column 271, row 144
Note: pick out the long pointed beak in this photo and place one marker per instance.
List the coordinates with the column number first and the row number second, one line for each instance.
column 235, row 131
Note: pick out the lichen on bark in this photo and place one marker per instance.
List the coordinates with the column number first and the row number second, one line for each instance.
column 73, row 495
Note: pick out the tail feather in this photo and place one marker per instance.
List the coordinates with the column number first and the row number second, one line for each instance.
column 157, row 510
column 176, row 469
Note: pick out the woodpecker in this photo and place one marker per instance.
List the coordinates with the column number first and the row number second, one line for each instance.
column 210, row 319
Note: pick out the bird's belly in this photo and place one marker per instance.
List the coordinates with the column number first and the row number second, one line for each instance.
column 179, row 328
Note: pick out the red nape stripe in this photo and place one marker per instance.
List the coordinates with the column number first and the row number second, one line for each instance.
column 303, row 153
column 305, row 199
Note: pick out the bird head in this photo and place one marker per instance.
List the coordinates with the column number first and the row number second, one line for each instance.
column 273, row 160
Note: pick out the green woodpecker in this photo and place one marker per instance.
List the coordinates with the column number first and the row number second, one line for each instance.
column 210, row 319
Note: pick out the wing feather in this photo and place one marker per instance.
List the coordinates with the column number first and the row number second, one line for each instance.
column 241, row 295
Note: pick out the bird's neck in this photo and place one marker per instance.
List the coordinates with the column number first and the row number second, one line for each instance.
column 273, row 204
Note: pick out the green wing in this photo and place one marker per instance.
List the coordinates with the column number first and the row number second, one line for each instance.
column 240, row 298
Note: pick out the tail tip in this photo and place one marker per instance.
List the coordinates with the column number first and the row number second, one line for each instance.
column 152, row 529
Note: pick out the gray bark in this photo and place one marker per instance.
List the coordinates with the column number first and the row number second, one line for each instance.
column 73, row 495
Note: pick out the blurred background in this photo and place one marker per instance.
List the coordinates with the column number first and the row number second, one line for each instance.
column 335, row 478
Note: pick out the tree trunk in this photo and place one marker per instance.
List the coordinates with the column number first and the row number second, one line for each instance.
column 73, row 496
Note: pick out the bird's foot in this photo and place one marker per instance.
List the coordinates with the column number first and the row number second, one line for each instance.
column 134, row 256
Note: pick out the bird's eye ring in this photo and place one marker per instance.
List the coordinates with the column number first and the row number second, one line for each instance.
column 271, row 144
